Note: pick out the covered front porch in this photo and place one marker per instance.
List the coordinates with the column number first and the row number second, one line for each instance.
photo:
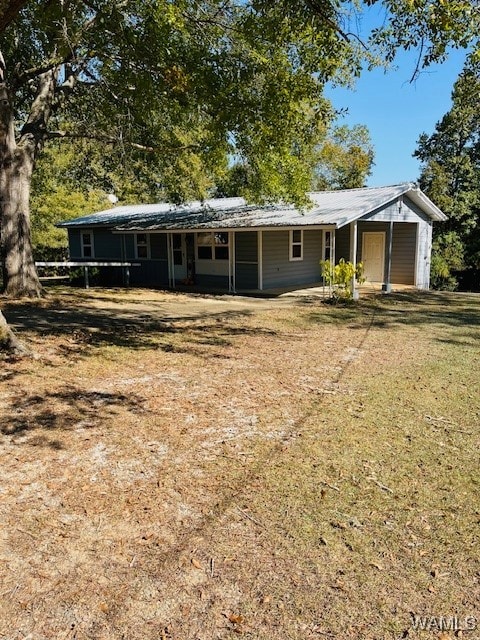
column 257, row 261
column 393, row 254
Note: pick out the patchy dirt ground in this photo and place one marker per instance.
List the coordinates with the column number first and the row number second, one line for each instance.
column 196, row 467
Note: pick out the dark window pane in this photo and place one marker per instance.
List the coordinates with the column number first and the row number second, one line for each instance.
column 141, row 238
column 177, row 257
column 142, row 251
column 297, row 235
column 221, row 253
column 296, row 251
column 205, row 253
column 177, row 242
column 87, row 251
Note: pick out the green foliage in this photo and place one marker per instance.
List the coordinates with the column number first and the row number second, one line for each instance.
column 340, row 276
column 58, row 195
column 345, row 159
column 451, row 177
column 174, row 90
column 447, row 256
column 430, row 27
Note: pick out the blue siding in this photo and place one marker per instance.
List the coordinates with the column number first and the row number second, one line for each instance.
column 246, row 276
column 107, row 246
column 150, row 273
column 215, row 282
column 246, row 246
column 404, row 248
column 279, row 271
column 158, row 246
column 129, row 246
column 74, row 244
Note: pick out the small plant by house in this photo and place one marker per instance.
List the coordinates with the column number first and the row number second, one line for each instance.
column 340, row 277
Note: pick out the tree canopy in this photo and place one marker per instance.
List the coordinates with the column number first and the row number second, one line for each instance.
column 450, row 174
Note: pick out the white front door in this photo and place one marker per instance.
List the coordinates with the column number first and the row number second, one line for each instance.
column 373, row 255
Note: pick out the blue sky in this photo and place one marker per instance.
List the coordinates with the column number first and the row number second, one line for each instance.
column 396, row 112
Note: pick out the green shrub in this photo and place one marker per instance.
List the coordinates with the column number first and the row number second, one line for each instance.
column 447, row 256
column 341, row 276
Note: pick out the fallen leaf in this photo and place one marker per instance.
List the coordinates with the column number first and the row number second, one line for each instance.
column 197, row 564
column 236, row 618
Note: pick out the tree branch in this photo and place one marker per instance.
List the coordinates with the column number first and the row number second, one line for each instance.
column 8, row 12
column 97, row 137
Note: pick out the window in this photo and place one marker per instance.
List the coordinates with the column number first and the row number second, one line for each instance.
column 142, row 246
column 87, row 244
column 327, row 245
column 212, row 246
column 177, row 249
column 296, row 244
column 204, row 246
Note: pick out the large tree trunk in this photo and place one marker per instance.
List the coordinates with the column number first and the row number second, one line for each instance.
column 9, row 342
column 19, row 273
column 17, row 160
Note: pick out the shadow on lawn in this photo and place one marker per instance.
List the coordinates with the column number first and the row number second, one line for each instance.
column 431, row 310
column 123, row 327
column 65, row 410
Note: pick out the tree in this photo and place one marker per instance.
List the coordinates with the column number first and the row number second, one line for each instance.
column 451, row 177
column 345, row 159
column 429, row 28
column 187, row 83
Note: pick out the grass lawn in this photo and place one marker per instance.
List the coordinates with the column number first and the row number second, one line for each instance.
column 193, row 468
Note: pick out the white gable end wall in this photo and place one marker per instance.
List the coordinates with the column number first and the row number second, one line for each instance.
column 402, row 210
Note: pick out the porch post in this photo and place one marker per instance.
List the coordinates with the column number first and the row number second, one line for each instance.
column 173, row 261
column 353, row 256
column 171, row 275
column 260, row 259
column 169, row 269
column 231, row 241
column 387, row 287
column 333, row 259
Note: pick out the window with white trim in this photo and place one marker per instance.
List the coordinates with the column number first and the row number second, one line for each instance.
column 212, row 246
column 296, row 244
column 142, row 246
column 87, row 244
column 327, row 245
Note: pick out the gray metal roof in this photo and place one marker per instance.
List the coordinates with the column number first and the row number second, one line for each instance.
column 336, row 208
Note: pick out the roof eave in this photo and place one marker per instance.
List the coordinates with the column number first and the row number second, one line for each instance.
column 426, row 205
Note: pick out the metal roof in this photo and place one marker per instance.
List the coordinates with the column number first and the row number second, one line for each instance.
column 335, row 208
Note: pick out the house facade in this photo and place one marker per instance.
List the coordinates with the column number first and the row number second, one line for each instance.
column 228, row 244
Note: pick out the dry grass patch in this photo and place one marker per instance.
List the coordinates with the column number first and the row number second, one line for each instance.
column 200, row 467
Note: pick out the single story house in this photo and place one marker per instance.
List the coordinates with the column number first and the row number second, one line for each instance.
column 232, row 245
